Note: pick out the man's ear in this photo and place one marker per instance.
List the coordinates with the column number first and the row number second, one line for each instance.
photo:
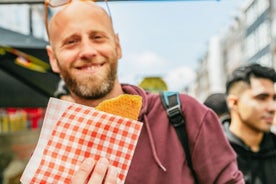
column 52, row 59
column 232, row 101
column 118, row 46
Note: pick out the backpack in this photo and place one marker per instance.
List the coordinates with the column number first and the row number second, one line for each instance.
column 172, row 105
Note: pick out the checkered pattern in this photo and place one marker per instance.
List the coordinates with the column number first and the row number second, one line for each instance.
column 82, row 132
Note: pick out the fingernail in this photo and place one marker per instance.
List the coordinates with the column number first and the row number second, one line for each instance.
column 113, row 171
column 88, row 161
column 103, row 162
column 88, row 164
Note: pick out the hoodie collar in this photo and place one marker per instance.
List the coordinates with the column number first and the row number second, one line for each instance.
column 267, row 146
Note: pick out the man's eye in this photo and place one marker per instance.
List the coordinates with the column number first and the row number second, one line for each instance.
column 262, row 97
column 97, row 37
column 71, row 42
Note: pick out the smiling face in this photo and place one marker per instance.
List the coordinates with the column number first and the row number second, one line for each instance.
column 84, row 49
column 254, row 106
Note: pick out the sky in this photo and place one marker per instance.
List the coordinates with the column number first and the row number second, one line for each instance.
column 167, row 38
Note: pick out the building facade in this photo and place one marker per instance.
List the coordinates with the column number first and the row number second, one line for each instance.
column 249, row 38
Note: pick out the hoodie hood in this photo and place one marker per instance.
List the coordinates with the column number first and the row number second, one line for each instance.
column 134, row 90
column 130, row 89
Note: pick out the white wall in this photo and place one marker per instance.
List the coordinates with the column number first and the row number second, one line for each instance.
column 215, row 65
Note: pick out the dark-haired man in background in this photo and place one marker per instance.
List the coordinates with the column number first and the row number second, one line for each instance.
column 217, row 102
column 251, row 100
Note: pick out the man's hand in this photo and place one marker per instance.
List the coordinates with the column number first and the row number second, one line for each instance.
column 92, row 172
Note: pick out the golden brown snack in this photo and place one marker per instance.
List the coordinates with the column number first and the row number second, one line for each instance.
column 125, row 105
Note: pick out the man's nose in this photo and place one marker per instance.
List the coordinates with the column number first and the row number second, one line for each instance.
column 88, row 49
column 272, row 105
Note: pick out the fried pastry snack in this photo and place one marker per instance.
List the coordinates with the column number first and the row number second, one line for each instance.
column 125, row 105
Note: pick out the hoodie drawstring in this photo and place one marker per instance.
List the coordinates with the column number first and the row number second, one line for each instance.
column 155, row 156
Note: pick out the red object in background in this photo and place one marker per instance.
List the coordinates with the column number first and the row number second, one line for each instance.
column 34, row 115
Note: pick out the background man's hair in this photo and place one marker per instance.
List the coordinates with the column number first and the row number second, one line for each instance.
column 217, row 102
column 244, row 73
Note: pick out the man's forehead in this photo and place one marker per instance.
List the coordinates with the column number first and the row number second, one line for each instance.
column 78, row 6
column 258, row 81
column 76, row 15
column 262, row 85
column 76, row 9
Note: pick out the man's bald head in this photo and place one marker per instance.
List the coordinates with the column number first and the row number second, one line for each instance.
column 75, row 10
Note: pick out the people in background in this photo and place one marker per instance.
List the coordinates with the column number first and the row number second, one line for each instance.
column 84, row 49
column 217, row 102
column 251, row 100
column 62, row 92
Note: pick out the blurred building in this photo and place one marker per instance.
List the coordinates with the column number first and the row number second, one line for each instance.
column 202, row 79
column 24, row 18
column 257, row 34
column 273, row 31
column 249, row 38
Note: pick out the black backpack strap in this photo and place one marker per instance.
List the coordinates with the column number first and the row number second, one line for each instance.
column 171, row 103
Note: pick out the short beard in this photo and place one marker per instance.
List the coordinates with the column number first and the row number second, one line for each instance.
column 92, row 88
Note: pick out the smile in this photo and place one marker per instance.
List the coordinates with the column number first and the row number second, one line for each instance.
column 90, row 68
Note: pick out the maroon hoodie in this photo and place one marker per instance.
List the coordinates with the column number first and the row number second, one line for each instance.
column 159, row 157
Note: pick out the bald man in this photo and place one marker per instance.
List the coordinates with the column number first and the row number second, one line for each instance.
column 84, row 50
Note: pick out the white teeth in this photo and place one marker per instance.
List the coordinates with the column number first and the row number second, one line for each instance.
column 91, row 67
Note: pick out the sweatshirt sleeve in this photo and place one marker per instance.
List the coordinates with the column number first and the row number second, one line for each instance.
column 213, row 158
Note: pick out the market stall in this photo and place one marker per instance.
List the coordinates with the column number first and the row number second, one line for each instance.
column 26, row 82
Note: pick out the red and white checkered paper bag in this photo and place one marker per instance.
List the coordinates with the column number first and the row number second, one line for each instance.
column 72, row 132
